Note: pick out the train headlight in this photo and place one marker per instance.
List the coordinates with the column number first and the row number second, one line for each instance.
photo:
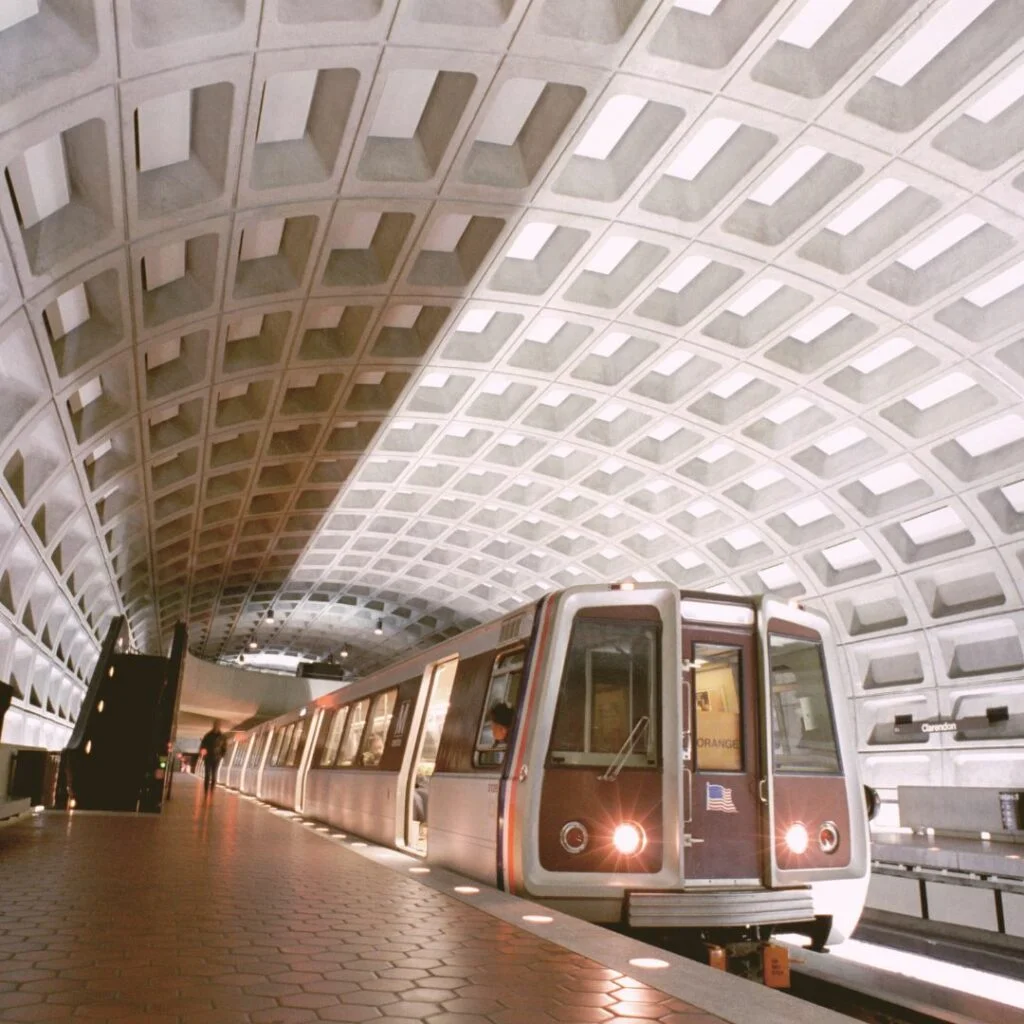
column 629, row 838
column 797, row 838
column 828, row 837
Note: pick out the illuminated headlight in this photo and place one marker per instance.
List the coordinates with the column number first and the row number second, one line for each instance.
column 828, row 837
column 629, row 839
column 797, row 838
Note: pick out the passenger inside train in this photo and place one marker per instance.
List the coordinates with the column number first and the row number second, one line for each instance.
column 500, row 719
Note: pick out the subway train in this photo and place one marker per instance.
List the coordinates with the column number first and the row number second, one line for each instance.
column 628, row 753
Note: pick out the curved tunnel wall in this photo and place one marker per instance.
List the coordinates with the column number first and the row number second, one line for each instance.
column 384, row 312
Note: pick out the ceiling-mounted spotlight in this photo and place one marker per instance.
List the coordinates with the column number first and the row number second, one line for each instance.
column 379, row 629
column 253, row 644
column 270, row 615
column 344, row 650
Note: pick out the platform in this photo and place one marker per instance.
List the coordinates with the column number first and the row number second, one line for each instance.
column 950, row 853
column 222, row 911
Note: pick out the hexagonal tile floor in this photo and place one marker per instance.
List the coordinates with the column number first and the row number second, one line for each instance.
column 219, row 912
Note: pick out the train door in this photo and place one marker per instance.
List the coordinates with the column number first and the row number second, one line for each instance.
column 816, row 806
column 417, row 790
column 305, row 758
column 244, row 763
column 593, row 785
column 273, row 749
column 722, row 757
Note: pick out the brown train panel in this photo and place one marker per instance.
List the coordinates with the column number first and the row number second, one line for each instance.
column 465, row 709
column 576, row 794
column 811, row 800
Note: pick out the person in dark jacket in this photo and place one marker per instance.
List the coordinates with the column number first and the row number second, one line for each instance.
column 212, row 746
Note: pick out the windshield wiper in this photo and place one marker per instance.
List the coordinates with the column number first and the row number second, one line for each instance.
column 615, row 768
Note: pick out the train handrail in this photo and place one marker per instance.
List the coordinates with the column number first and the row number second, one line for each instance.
column 618, row 763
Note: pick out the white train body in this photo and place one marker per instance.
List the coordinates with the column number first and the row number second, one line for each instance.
column 674, row 760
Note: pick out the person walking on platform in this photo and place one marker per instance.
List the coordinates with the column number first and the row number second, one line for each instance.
column 212, row 745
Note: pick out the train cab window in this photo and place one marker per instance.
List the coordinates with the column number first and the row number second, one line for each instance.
column 333, row 733
column 353, row 733
column 295, row 748
column 609, row 697
column 719, row 710
column 377, row 728
column 803, row 729
column 503, row 693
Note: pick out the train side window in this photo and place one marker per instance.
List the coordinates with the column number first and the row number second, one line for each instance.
column 276, row 750
column 254, row 753
column 377, row 730
column 333, row 734
column 353, row 733
column 609, row 698
column 282, row 757
column 803, row 729
column 295, row 750
column 718, row 699
column 506, row 681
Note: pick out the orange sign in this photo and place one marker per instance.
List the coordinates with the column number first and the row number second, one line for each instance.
column 775, row 963
column 718, row 741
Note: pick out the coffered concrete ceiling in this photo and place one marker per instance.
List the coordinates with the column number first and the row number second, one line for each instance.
column 408, row 313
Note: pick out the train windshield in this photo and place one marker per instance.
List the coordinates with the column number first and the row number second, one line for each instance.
column 608, row 700
column 803, row 730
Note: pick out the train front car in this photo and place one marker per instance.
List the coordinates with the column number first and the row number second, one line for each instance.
column 686, row 762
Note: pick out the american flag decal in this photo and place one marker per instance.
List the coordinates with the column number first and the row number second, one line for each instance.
column 720, row 799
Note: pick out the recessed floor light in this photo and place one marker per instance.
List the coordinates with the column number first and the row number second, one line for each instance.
column 537, row 918
column 650, row 962
column 467, row 890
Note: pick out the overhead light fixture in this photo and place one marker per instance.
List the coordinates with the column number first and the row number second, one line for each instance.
column 379, row 629
column 344, row 650
column 253, row 644
column 270, row 615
